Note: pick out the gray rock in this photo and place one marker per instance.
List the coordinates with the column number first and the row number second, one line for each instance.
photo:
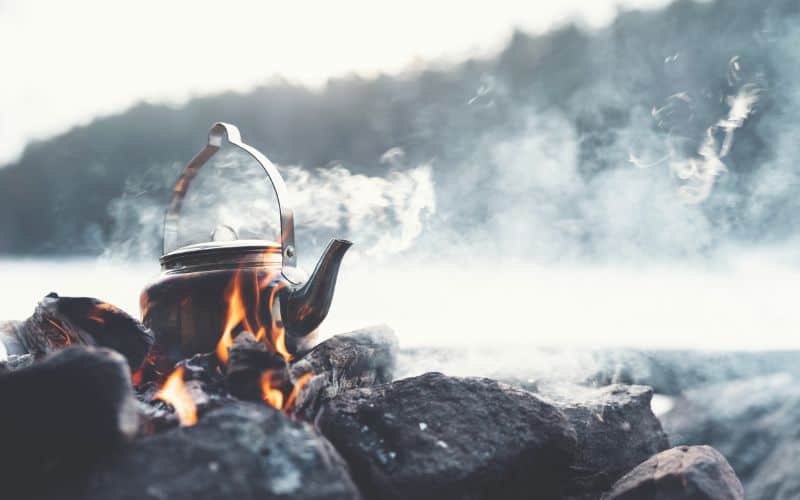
column 241, row 451
column 753, row 423
column 61, row 414
column 685, row 472
column 616, row 431
column 362, row 358
column 438, row 437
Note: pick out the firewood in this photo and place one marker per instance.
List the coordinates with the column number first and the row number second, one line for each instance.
column 61, row 414
column 58, row 322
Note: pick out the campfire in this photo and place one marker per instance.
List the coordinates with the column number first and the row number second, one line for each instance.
column 222, row 391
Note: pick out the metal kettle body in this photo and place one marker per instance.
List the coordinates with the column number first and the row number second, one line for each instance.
column 209, row 292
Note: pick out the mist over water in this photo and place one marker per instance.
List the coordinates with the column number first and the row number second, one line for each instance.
column 746, row 304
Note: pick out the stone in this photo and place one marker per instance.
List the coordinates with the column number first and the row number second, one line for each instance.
column 362, row 358
column 753, row 422
column 439, row 437
column 243, row 450
column 62, row 414
column 684, row 472
column 616, row 431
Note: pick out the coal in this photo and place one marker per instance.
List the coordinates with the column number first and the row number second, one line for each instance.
column 685, row 472
column 203, row 382
column 58, row 322
column 242, row 450
column 362, row 358
column 62, row 414
column 205, row 369
column 616, row 431
column 439, row 437
column 753, row 422
column 248, row 360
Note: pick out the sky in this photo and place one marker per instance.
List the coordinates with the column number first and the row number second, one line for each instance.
column 64, row 63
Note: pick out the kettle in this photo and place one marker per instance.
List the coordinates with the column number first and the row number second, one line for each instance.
column 209, row 291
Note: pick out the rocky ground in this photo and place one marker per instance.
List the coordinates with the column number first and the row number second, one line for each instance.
column 364, row 425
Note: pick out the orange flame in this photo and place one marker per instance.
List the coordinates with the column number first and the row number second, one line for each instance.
column 174, row 392
column 237, row 315
column 301, row 382
column 270, row 393
column 246, row 311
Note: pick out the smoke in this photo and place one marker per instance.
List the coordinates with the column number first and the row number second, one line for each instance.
column 664, row 135
column 232, row 197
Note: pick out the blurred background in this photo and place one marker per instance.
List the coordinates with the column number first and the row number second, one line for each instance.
column 585, row 173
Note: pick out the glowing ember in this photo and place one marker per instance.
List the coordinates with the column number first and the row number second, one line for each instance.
column 174, row 392
column 136, row 377
column 67, row 339
column 96, row 314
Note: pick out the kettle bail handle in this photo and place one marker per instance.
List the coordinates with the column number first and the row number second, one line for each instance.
column 219, row 132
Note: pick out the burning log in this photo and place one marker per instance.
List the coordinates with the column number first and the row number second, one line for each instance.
column 58, row 322
column 616, row 431
column 362, row 358
column 242, row 450
column 699, row 472
column 195, row 387
column 59, row 415
column 438, row 437
column 251, row 365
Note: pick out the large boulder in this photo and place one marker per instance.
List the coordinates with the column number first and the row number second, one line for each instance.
column 616, row 431
column 753, row 423
column 240, row 451
column 439, row 437
column 682, row 473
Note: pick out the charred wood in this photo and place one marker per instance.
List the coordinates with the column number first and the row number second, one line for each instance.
column 58, row 322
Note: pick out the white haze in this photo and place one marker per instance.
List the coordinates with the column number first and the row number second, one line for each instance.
column 654, row 274
column 748, row 303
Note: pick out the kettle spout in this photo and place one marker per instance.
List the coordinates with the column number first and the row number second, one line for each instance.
column 307, row 306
